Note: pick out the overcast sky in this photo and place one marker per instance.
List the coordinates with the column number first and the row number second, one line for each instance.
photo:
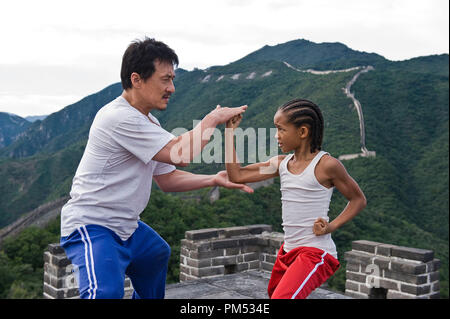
column 53, row 53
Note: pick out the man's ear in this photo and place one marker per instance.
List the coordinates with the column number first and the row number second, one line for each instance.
column 136, row 80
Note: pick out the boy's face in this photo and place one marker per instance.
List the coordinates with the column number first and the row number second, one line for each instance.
column 289, row 136
column 156, row 90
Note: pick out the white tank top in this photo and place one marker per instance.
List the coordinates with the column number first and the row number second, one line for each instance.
column 304, row 200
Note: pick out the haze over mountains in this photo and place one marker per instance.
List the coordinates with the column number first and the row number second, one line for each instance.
column 405, row 106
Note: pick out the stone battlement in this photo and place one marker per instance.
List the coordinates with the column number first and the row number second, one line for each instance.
column 374, row 270
column 219, row 251
column 377, row 270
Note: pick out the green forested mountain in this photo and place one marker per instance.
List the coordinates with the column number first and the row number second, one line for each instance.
column 305, row 54
column 61, row 129
column 405, row 106
column 11, row 126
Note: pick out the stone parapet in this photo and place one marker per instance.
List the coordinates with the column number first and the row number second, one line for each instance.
column 378, row 270
column 373, row 270
column 216, row 252
column 60, row 276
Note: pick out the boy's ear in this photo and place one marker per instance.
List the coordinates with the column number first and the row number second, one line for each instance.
column 303, row 131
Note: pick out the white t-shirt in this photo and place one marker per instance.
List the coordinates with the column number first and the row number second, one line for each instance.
column 112, row 184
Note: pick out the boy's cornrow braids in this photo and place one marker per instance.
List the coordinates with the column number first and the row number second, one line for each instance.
column 302, row 111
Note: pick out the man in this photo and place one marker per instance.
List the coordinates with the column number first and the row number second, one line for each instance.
column 100, row 227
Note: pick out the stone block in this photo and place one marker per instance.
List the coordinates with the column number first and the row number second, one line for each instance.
column 55, row 249
column 60, row 260
column 262, row 242
column 270, row 258
column 251, row 248
column 199, row 263
column 201, row 234
column 398, row 295
column 356, row 276
column 382, row 262
column 258, row 229
column 236, row 231
column 433, row 265
column 248, row 241
column 356, row 294
column 47, row 257
column 52, row 292
column 358, row 257
column 188, row 244
column 266, row 266
column 408, row 267
column 206, row 254
column 207, row 272
column 384, row 250
column 406, row 278
column 72, row 293
column 434, row 276
column 254, row 264
column 251, row 257
column 232, row 251
column 355, row 267
column 225, row 243
column 55, row 271
column 230, row 260
column 186, row 277
column 422, row 255
column 435, row 286
column 276, row 242
column 390, row 284
column 184, row 251
column 242, row 267
column 185, row 269
column 351, row 285
column 365, row 245
column 435, row 295
column 415, row 289
column 269, row 250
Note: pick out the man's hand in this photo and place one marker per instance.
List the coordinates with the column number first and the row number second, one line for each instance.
column 221, row 179
column 223, row 114
column 321, row 227
column 234, row 121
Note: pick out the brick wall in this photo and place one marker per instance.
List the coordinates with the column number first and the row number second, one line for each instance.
column 218, row 251
column 377, row 270
column 60, row 276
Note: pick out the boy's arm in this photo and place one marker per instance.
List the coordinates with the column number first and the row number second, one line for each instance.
column 347, row 186
column 250, row 173
column 182, row 149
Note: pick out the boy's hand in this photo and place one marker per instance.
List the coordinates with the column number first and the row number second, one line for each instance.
column 321, row 227
column 234, row 121
column 224, row 114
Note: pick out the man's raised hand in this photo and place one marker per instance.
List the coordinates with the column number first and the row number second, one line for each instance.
column 223, row 114
column 221, row 179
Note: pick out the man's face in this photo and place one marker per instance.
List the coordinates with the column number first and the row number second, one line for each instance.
column 156, row 90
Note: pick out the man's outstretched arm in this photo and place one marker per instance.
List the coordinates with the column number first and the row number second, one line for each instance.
column 181, row 181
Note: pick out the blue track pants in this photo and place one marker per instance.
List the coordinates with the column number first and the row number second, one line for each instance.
column 102, row 260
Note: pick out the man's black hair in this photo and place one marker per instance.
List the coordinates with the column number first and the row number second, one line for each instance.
column 140, row 56
column 300, row 112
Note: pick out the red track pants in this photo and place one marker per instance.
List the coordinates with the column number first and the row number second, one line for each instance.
column 297, row 273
